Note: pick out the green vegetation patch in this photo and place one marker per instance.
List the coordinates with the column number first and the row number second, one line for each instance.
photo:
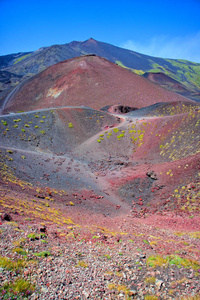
column 14, row 265
column 119, row 63
column 42, row 254
column 159, row 261
column 19, row 250
column 22, row 58
column 18, row 289
column 70, row 125
column 186, row 72
column 139, row 72
column 4, row 123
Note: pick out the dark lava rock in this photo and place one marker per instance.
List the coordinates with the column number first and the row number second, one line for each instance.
column 43, row 229
column 6, row 217
column 152, row 175
column 118, row 109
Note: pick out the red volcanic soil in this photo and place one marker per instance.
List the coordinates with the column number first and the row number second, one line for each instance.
column 90, row 81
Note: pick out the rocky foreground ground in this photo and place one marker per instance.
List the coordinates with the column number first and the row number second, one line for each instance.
column 51, row 249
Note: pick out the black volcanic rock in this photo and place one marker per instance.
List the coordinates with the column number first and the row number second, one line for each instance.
column 6, row 217
column 118, row 109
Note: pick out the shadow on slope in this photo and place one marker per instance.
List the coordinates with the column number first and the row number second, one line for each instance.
column 171, row 84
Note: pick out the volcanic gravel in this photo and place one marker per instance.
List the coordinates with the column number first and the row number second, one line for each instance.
column 93, row 268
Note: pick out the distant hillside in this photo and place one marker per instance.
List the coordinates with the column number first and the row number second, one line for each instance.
column 27, row 65
column 171, row 84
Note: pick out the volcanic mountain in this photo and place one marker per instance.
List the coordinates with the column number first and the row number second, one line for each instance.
column 22, row 66
column 97, row 203
column 87, row 80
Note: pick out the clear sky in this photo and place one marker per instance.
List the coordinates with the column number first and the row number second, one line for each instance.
column 169, row 29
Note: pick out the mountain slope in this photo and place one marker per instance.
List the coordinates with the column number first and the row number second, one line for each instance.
column 184, row 71
column 29, row 64
column 143, row 162
column 39, row 60
column 87, row 80
column 171, row 84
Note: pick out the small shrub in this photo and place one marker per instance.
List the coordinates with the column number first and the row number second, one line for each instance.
column 43, row 235
column 70, row 125
column 197, row 297
column 22, row 286
column 108, row 256
column 19, row 242
column 42, row 132
column 82, row 264
column 42, row 254
column 33, row 236
column 150, row 280
column 195, row 235
column 111, row 286
column 146, row 242
column 124, row 289
column 20, row 251
column 44, row 242
column 179, row 262
column 18, row 289
column 3, row 261
column 96, row 237
column 9, row 264
column 150, row 297
column 9, row 151
column 154, row 261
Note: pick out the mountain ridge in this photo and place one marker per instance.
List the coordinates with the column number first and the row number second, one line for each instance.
column 27, row 64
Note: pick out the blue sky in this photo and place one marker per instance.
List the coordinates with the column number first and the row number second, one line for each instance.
column 169, row 29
